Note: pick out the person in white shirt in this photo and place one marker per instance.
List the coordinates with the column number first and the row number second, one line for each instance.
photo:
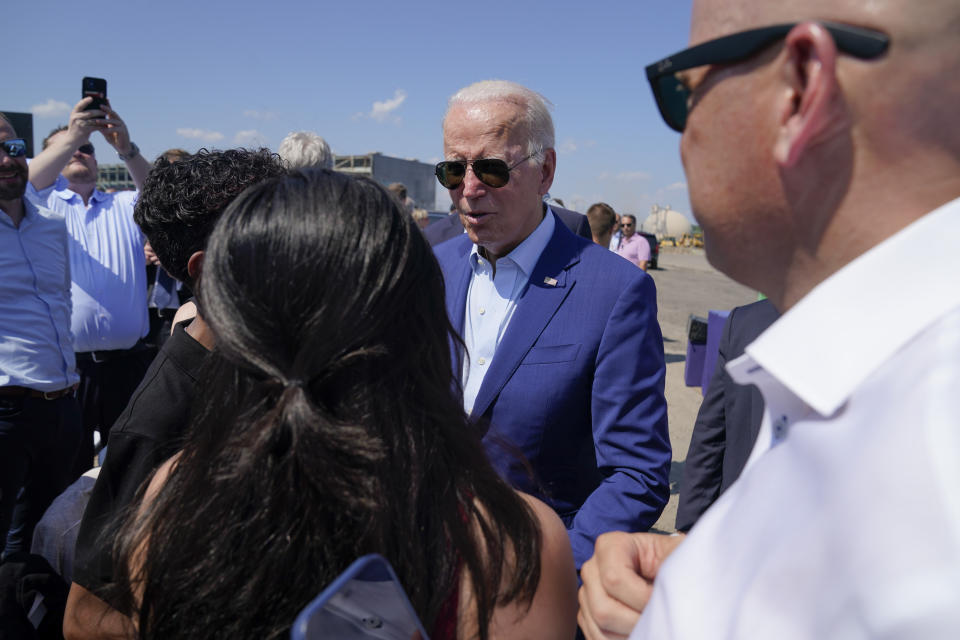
column 107, row 264
column 823, row 158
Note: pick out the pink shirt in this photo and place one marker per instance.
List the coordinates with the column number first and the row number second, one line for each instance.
column 636, row 249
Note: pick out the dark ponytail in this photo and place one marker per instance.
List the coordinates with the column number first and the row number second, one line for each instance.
column 329, row 426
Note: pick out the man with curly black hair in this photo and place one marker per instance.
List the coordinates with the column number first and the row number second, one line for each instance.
column 178, row 206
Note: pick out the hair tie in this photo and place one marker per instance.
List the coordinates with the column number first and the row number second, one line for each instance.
column 294, row 382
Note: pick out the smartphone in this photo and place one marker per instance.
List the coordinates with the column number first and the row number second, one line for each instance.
column 365, row 602
column 97, row 88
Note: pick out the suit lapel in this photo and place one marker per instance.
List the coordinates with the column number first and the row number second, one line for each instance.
column 456, row 293
column 549, row 285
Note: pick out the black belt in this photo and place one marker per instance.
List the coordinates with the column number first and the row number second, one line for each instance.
column 114, row 354
column 21, row 392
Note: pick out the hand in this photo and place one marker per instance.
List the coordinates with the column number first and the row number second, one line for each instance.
column 618, row 581
column 83, row 123
column 115, row 131
column 149, row 254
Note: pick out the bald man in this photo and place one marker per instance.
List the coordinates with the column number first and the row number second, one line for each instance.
column 823, row 158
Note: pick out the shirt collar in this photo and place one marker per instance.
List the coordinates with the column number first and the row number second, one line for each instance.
column 526, row 254
column 62, row 191
column 834, row 338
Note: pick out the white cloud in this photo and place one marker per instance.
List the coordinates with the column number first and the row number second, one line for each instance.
column 383, row 109
column 200, row 134
column 259, row 115
column 50, row 109
column 568, row 146
column 677, row 186
column 633, row 176
column 248, row 137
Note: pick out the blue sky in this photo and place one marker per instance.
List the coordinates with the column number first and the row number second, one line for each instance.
column 367, row 76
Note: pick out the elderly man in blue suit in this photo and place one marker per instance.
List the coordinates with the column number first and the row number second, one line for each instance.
column 564, row 367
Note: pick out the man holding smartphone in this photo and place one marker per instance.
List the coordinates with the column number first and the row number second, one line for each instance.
column 107, row 263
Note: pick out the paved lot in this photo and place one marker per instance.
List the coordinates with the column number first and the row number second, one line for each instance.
column 686, row 284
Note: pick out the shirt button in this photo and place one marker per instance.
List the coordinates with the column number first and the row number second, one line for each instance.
column 780, row 426
column 481, row 311
column 482, row 361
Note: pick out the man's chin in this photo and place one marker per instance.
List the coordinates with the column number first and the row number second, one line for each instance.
column 84, row 176
column 12, row 190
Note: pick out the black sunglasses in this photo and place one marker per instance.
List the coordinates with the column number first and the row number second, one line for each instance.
column 14, row 147
column 673, row 95
column 492, row 172
column 86, row 148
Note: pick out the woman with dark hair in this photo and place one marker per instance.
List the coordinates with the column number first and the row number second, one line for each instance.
column 329, row 428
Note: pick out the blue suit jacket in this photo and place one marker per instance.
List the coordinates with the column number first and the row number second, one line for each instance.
column 576, row 387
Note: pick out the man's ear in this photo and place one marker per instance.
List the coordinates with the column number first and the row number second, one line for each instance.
column 195, row 265
column 812, row 102
column 547, row 170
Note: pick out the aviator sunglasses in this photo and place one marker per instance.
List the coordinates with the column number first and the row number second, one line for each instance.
column 15, row 147
column 86, row 148
column 673, row 94
column 492, row 172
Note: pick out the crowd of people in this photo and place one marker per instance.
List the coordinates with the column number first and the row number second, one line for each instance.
column 308, row 373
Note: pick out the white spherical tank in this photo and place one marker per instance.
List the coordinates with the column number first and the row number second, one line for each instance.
column 664, row 222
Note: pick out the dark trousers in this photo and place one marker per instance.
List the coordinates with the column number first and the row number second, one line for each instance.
column 38, row 444
column 106, row 384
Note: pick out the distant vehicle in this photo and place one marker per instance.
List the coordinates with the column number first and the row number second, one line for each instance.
column 654, row 248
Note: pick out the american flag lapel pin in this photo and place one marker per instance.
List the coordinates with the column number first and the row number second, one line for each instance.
column 550, row 281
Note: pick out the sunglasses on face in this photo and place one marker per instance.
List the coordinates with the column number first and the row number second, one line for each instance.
column 492, row 172
column 86, row 148
column 673, row 94
column 15, row 147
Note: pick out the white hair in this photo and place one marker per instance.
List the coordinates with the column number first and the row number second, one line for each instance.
column 305, row 149
column 536, row 109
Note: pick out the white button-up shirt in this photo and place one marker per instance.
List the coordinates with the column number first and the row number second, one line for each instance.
column 492, row 299
column 846, row 520
column 107, row 266
column 35, row 344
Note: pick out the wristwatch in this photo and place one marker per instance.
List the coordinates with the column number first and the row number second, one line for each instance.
column 134, row 152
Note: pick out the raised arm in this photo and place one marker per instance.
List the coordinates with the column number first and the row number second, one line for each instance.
column 48, row 164
column 116, row 134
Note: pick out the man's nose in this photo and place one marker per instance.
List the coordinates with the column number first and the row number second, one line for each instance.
column 472, row 187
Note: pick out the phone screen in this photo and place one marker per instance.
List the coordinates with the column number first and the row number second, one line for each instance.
column 97, row 88
column 366, row 602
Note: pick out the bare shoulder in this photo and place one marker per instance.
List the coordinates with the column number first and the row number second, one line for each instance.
column 187, row 311
column 553, row 611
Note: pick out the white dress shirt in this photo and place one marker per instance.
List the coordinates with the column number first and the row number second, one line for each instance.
column 615, row 240
column 36, row 349
column 107, row 266
column 846, row 520
column 491, row 301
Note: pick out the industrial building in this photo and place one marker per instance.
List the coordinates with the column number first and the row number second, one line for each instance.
column 416, row 176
